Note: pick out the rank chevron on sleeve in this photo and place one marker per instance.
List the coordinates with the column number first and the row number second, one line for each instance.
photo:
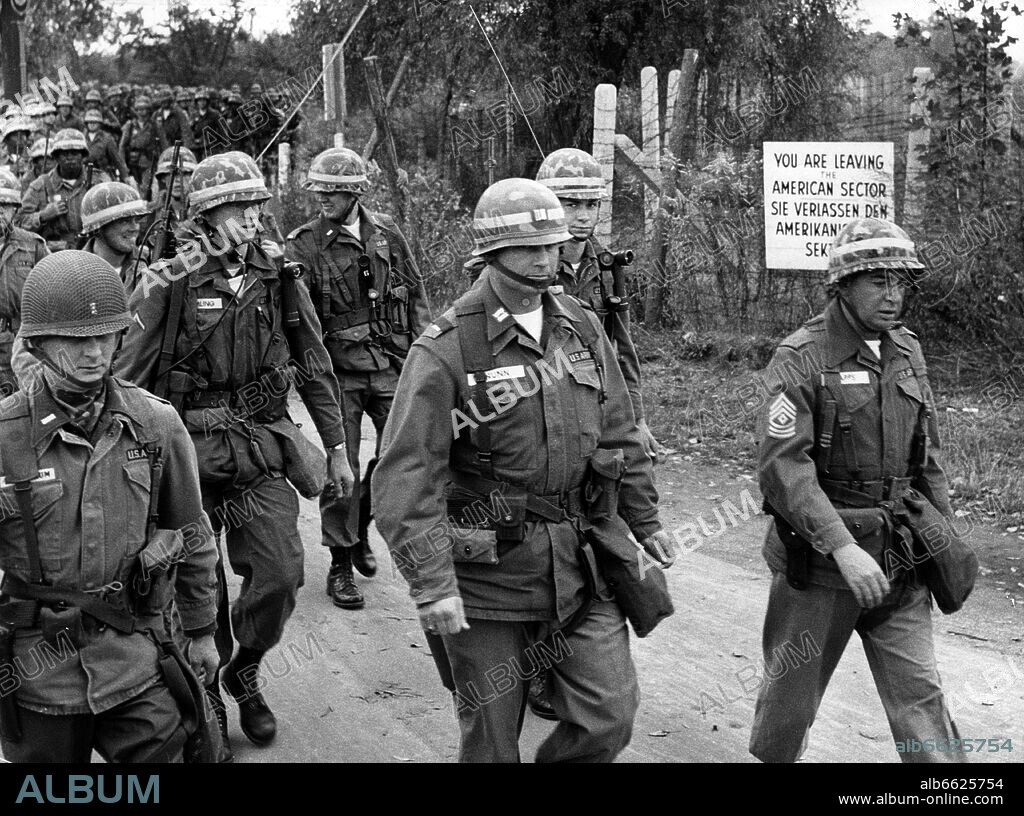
column 782, row 418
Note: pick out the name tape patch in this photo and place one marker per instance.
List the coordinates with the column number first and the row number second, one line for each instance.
column 209, row 303
column 854, row 378
column 507, row 373
column 45, row 475
column 782, row 418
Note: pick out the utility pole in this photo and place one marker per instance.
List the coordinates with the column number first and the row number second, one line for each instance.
column 12, row 46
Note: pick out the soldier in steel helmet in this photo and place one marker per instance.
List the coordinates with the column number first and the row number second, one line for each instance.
column 171, row 122
column 369, row 296
column 848, row 427
column 21, row 251
column 112, row 213
column 38, row 165
column 53, row 202
column 66, row 116
column 15, row 139
column 506, row 402
column 115, row 472
column 174, row 196
column 208, row 126
column 104, row 152
column 214, row 330
column 140, row 146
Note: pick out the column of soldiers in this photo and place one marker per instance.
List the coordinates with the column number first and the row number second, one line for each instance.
column 512, row 477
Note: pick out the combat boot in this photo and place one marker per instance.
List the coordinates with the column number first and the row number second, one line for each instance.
column 341, row 584
column 254, row 715
column 363, row 559
column 537, row 697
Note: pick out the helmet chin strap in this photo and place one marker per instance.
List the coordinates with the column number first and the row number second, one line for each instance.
column 540, row 285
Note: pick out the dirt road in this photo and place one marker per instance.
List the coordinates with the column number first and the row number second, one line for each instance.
column 361, row 685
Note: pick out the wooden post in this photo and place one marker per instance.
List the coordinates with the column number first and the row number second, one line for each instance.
column 650, row 116
column 284, row 158
column 396, row 82
column 679, row 144
column 671, row 100
column 12, row 46
column 334, row 87
column 389, row 160
column 510, row 129
column 913, row 195
column 604, row 152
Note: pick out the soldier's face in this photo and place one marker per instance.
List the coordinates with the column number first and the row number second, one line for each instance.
column 121, row 235
column 87, row 359
column 581, row 216
column 539, row 263
column 7, row 213
column 334, row 205
column 69, row 163
column 236, row 221
column 876, row 298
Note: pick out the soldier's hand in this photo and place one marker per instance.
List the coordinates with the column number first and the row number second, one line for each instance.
column 55, row 209
column 652, row 447
column 202, row 654
column 661, row 546
column 340, row 473
column 864, row 576
column 444, row 617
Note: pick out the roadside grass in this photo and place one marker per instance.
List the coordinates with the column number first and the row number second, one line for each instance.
column 701, row 400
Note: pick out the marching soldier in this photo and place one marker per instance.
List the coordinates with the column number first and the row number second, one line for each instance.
column 111, row 215
column 239, row 132
column 223, row 325
column 178, row 195
column 371, row 302
column 140, row 146
column 66, row 117
column 849, row 426
column 171, row 122
column 37, row 159
column 207, row 126
column 481, row 419
column 53, row 202
column 88, row 578
column 21, row 251
column 15, row 139
column 104, row 152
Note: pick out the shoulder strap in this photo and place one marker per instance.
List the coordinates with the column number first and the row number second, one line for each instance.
column 588, row 335
column 139, row 403
column 833, row 410
column 477, row 359
column 919, row 448
column 21, row 466
column 175, row 306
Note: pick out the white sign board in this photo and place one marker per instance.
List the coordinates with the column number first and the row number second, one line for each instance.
column 813, row 189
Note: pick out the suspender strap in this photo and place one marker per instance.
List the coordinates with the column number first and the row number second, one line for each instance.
column 20, row 466
column 826, row 426
column 831, row 380
column 919, row 450
column 477, row 358
column 175, row 307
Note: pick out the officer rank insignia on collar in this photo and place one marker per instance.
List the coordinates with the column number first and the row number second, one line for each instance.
column 782, row 418
column 500, row 314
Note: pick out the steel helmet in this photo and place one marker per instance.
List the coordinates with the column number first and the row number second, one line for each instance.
column 202, row 93
column 234, row 98
column 337, row 170
column 92, row 115
column 517, row 212
column 65, row 101
column 186, row 161
column 38, row 149
column 143, row 102
column 10, row 187
column 17, row 124
column 73, row 294
column 224, row 178
column 870, row 243
column 572, row 173
column 108, row 202
column 44, row 108
column 68, row 139
column 183, row 95
column 94, row 96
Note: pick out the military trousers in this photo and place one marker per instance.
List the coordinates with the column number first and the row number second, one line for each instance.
column 592, row 685
column 260, row 526
column 805, row 634
column 145, row 728
column 361, row 392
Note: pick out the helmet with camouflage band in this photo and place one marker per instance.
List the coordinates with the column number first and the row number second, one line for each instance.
column 10, row 188
column 68, row 139
column 186, row 161
column 38, row 149
column 94, row 96
column 572, row 173
column 65, row 101
column 337, row 170
column 224, row 178
column 871, row 243
column 92, row 115
column 517, row 212
column 202, row 93
column 109, row 202
column 73, row 294
column 17, row 124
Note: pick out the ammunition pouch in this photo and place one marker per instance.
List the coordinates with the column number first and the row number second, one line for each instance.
column 60, row 619
column 601, row 484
